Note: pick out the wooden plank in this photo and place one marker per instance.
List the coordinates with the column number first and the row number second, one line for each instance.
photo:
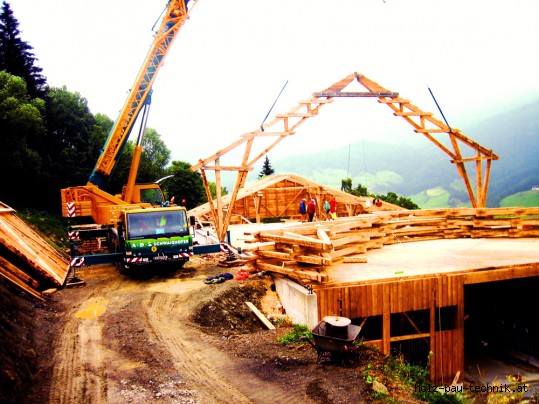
column 317, row 244
column 260, row 316
column 386, row 319
column 346, row 304
column 23, row 241
column 455, row 379
column 17, row 272
column 432, row 327
column 18, row 282
column 322, row 235
column 274, row 254
column 345, row 251
column 315, row 260
column 410, row 337
column 501, row 273
column 294, row 273
column 359, row 259
column 356, row 238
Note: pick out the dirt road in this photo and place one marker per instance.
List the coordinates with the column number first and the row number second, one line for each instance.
column 131, row 339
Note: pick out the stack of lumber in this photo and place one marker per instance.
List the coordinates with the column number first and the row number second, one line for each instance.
column 27, row 260
column 304, row 251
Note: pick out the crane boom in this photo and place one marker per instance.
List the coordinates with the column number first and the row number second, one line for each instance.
column 90, row 199
column 138, row 227
column 174, row 17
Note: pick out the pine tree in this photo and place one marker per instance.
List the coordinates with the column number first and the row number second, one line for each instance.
column 16, row 57
column 267, row 169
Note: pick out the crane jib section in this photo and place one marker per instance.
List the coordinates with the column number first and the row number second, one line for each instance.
column 174, row 17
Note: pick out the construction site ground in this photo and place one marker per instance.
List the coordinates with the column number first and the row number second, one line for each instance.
column 167, row 337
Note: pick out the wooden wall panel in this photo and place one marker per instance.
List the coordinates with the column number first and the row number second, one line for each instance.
column 448, row 356
column 366, row 300
column 450, row 290
column 402, row 296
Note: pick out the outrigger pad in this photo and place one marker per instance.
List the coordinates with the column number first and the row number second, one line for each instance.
column 72, row 282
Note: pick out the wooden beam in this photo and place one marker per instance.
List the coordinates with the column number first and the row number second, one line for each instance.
column 356, row 94
column 315, row 260
column 502, row 273
column 386, row 319
column 260, row 316
column 357, row 259
column 317, row 244
column 322, row 235
column 294, row 273
column 228, row 168
column 410, row 337
column 275, row 254
column 20, row 274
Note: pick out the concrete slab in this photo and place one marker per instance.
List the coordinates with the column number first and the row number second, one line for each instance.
column 437, row 256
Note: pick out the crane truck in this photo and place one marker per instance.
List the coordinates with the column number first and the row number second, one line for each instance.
column 137, row 227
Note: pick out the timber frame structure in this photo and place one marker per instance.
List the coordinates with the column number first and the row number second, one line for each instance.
column 423, row 123
column 409, row 288
column 278, row 196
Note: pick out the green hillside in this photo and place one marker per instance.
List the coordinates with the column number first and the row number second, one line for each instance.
column 432, row 198
column 526, row 199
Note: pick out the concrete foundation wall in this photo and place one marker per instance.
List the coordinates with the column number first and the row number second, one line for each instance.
column 300, row 306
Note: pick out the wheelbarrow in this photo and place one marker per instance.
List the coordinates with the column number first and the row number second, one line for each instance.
column 334, row 335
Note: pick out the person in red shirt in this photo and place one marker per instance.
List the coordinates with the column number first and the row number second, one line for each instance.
column 333, row 207
column 311, row 209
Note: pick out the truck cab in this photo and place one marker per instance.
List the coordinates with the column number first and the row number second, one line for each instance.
column 143, row 194
column 158, row 235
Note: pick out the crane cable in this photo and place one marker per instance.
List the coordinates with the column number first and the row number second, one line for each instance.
column 274, row 102
column 439, row 109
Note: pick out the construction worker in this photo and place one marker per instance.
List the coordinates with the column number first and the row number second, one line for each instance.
column 311, row 209
column 303, row 209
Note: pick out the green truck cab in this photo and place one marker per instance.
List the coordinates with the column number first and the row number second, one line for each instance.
column 159, row 235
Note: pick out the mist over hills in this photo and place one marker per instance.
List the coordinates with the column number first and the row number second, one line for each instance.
column 414, row 169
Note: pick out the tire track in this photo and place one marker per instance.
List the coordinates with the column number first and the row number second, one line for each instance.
column 86, row 369
column 189, row 361
column 212, row 373
column 79, row 372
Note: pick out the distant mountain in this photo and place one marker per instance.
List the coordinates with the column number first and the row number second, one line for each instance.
column 514, row 136
column 422, row 168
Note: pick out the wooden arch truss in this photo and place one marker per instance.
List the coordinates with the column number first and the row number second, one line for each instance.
column 286, row 124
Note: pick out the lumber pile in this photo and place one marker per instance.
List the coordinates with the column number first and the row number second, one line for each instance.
column 304, row 251
column 27, row 260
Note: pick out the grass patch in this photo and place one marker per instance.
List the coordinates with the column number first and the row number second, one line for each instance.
column 300, row 334
column 526, row 199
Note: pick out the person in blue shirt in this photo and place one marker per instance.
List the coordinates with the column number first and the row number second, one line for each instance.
column 303, row 209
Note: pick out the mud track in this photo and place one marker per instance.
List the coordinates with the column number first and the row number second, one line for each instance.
column 130, row 339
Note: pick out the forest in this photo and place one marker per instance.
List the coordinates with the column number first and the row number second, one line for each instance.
column 49, row 138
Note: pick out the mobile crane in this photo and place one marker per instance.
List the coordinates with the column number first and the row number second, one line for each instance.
column 137, row 227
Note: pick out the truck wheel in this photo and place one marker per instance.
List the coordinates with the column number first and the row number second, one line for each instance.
column 180, row 264
column 122, row 268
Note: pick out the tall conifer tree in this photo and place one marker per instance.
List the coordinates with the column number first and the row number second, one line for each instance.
column 16, row 57
column 267, row 169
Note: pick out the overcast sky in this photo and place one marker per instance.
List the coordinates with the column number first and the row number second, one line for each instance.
column 232, row 58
